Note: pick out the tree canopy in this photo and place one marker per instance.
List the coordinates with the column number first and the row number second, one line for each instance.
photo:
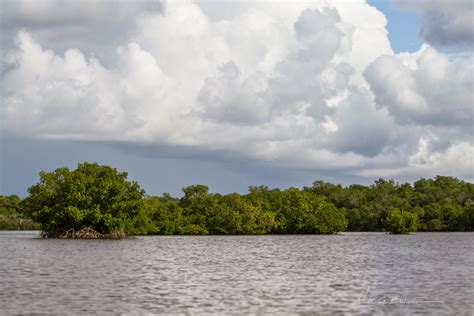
column 102, row 198
column 11, row 217
column 89, row 196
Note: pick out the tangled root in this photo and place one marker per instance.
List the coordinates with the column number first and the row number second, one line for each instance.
column 88, row 233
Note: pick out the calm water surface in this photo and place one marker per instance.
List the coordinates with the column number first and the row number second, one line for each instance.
column 354, row 273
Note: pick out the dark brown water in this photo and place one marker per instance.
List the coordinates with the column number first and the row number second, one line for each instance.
column 349, row 273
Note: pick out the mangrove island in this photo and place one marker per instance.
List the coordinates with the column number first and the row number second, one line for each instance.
column 97, row 201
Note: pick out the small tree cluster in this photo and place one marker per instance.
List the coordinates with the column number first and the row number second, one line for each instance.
column 89, row 196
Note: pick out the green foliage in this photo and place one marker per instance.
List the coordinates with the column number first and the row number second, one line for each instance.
column 301, row 212
column 9, row 205
column 440, row 204
column 443, row 203
column 262, row 211
column 102, row 198
column 89, row 196
column 11, row 217
column 165, row 215
column 399, row 222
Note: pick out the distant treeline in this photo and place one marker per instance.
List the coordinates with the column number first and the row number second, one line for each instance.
column 440, row 204
column 12, row 217
column 100, row 197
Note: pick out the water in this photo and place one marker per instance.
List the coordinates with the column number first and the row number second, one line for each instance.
column 349, row 273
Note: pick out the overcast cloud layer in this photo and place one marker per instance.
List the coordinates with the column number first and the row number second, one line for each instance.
column 311, row 85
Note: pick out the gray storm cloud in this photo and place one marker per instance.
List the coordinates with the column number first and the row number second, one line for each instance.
column 444, row 23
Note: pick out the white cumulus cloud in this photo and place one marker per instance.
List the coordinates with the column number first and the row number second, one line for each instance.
column 306, row 85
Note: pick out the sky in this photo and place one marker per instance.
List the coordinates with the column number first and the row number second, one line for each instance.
column 237, row 93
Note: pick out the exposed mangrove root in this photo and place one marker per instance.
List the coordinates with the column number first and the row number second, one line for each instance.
column 85, row 233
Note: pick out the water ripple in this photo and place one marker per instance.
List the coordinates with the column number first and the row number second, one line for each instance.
column 340, row 274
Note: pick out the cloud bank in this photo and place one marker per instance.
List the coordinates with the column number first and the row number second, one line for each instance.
column 310, row 85
column 444, row 22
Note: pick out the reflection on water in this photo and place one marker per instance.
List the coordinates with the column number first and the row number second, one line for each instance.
column 352, row 273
